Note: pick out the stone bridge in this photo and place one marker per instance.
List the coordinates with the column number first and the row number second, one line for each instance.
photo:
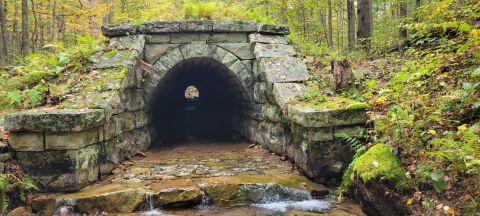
column 248, row 77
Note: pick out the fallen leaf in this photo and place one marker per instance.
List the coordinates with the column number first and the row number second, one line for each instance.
column 375, row 163
column 409, row 201
column 462, row 127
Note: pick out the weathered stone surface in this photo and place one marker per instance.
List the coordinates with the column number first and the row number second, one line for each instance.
column 157, row 38
column 242, row 50
column 54, row 120
column 130, row 42
column 171, row 58
column 154, row 51
column 134, row 99
column 273, row 50
column 119, row 30
column 44, row 205
column 226, row 38
column 349, row 131
column 113, row 59
column 267, row 111
column 20, row 211
column 196, row 49
column 259, row 92
column 234, row 26
column 72, row 140
column 273, row 29
column 313, row 134
column 286, row 69
column 284, row 92
column 310, row 117
column 184, row 38
column 25, row 141
column 178, row 197
column 65, row 170
column 114, row 198
column 266, row 39
column 140, row 119
column 273, row 136
column 160, row 27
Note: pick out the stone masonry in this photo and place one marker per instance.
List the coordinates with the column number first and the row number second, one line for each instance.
column 66, row 149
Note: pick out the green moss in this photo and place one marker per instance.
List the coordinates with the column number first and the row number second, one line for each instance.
column 380, row 162
column 335, row 103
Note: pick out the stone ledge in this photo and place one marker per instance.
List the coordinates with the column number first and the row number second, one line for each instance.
column 192, row 26
column 282, row 69
column 311, row 117
column 50, row 120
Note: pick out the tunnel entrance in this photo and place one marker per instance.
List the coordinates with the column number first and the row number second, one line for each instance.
column 198, row 99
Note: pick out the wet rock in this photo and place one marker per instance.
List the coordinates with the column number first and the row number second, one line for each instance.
column 20, row 211
column 178, row 197
column 377, row 199
column 119, row 30
column 44, row 205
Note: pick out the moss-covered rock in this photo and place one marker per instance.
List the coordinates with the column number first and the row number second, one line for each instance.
column 379, row 162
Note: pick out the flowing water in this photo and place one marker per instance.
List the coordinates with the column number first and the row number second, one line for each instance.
column 234, row 178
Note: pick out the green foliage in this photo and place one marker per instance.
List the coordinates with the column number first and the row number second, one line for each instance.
column 10, row 182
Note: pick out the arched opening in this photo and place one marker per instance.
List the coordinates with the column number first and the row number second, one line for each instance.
column 198, row 99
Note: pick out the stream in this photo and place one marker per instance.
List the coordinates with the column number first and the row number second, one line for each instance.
column 230, row 177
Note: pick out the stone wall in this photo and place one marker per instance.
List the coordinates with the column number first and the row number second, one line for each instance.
column 66, row 149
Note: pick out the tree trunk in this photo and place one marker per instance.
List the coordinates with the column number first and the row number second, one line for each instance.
column 418, row 3
column 403, row 15
column 16, row 33
column 342, row 75
column 123, row 5
column 25, row 27
column 351, row 23
column 365, row 22
column 330, row 28
column 3, row 29
column 54, row 17
column 35, row 28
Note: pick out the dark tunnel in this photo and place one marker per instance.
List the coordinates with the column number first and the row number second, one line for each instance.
column 211, row 113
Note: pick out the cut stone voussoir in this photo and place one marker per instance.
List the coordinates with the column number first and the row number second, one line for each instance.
column 51, row 120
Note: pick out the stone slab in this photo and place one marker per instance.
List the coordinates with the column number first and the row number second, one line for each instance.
column 284, row 92
column 119, row 30
column 26, row 141
column 130, row 42
column 54, row 120
column 266, row 39
column 267, row 28
column 72, row 140
column 226, row 38
column 65, row 170
column 273, row 50
column 157, row 38
column 180, row 38
column 283, row 69
column 234, row 26
column 241, row 50
column 160, row 27
column 154, row 51
column 310, row 117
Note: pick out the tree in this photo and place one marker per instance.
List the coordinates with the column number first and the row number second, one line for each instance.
column 365, row 20
column 25, row 39
column 3, row 28
column 351, row 23
column 330, row 27
column 403, row 15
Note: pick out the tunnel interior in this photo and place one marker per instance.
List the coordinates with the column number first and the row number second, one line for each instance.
column 198, row 99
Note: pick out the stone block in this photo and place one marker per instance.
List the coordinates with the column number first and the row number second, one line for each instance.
column 157, row 38
column 284, row 69
column 341, row 132
column 130, row 42
column 312, row 117
column 26, row 141
column 115, row 59
column 228, row 38
column 196, row 49
column 284, row 92
column 274, row 136
column 259, row 92
column 160, row 27
column 241, row 50
column 119, row 30
column 54, row 120
column 268, row 112
column 273, row 50
column 312, row 134
column 184, row 38
column 154, row 51
column 140, row 119
column 234, row 26
column 71, row 140
column 171, row 58
column 273, row 29
column 266, row 39
column 248, row 64
column 196, row 26
column 64, row 170
column 134, row 99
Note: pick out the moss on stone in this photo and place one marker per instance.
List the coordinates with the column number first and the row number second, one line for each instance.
column 335, row 103
column 379, row 162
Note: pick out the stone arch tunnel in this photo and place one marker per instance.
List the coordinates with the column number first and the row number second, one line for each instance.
column 222, row 101
column 248, row 77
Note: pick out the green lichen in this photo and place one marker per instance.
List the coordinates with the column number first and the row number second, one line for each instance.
column 379, row 162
